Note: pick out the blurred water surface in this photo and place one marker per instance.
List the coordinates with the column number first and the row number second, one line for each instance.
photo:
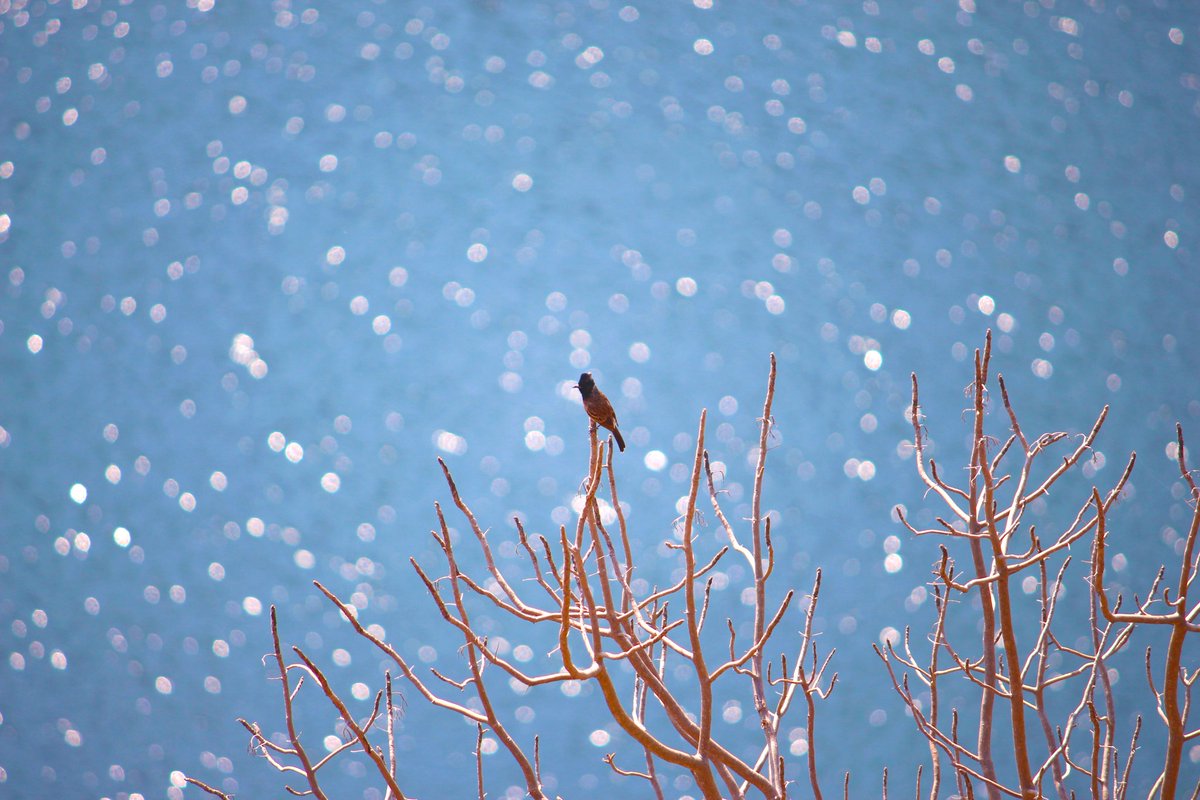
column 262, row 263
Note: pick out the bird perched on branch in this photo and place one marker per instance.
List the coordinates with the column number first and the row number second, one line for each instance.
column 598, row 408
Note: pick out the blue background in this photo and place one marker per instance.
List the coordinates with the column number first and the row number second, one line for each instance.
column 861, row 188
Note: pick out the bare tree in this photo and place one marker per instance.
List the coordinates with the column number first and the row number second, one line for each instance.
column 1015, row 664
column 609, row 627
column 583, row 589
column 1174, row 700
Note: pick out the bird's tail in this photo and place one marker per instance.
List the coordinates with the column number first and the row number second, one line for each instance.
column 620, row 441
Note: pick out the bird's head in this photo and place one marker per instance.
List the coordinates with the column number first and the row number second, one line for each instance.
column 586, row 384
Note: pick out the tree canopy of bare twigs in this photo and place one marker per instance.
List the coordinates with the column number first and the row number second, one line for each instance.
column 606, row 633
column 619, row 633
column 1015, row 665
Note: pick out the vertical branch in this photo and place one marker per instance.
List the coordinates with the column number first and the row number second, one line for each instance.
column 1008, row 632
column 965, row 787
column 1097, row 737
column 625, row 570
column 810, row 690
column 1123, row 786
column 640, row 716
column 1100, row 670
column 310, row 773
column 479, row 760
column 1049, row 601
column 692, row 617
column 391, row 729
column 760, row 589
column 942, row 602
column 1174, row 674
column 979, row 461
column 810, row 720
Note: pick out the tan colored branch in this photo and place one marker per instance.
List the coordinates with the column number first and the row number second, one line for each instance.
column 360, row 731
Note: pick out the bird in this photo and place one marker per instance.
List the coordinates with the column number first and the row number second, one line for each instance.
column 598, row 408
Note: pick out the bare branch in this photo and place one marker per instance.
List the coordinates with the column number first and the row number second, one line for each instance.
column 205, row 787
